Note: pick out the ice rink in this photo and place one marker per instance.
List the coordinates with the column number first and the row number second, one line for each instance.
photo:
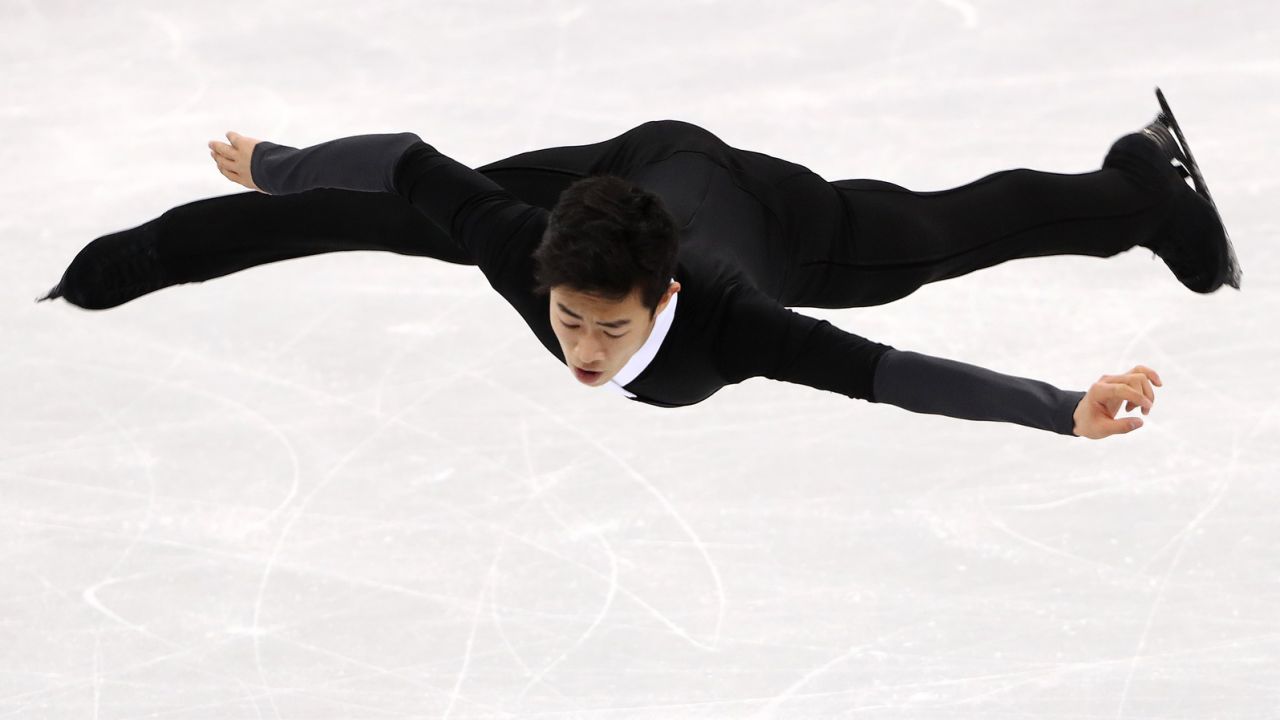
column 355, row 485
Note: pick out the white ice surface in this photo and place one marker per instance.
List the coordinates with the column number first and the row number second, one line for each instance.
column 355, row 486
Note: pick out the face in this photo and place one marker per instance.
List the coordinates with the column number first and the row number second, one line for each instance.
column 598, row 336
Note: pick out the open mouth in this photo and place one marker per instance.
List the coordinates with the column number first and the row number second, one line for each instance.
column 586, row 376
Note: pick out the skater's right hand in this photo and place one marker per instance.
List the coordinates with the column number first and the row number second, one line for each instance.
column 1095, row 416
column 234, row 160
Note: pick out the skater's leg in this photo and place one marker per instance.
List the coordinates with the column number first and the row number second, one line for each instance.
column 898, row 240
column 217, row 236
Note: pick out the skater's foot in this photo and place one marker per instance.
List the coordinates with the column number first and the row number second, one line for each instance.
column 112, row 270
column 1194, row 245
column 1193, row 242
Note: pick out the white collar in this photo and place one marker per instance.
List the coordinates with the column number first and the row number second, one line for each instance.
column 642, row 357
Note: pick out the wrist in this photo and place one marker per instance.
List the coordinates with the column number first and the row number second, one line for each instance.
column 1077, row 415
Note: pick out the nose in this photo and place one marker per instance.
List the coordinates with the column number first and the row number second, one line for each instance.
column 590, row 353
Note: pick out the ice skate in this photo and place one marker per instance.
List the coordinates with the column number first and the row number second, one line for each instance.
column 1197, row 248
column 112, row 270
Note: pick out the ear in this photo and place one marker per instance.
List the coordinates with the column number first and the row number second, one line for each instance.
column 672, row 289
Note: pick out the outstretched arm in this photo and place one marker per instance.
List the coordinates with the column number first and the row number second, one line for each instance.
column 925, row 384
column 938, row 386
column 480, row 215
column 363, row 163
column 779, row 343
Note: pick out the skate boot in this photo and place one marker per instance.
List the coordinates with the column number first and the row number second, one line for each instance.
column 1194, row 244
column 112, row 270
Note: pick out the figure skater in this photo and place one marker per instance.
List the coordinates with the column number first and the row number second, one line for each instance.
column 662, row 263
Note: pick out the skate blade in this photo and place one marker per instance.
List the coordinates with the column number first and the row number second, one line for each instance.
column 1166, row 116
column 54, row 292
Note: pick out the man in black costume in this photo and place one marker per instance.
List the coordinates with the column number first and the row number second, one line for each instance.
column 662, row 263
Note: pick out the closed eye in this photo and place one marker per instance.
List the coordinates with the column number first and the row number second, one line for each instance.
column 578, row 326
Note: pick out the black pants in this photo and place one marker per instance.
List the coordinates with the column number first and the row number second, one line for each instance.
column 889, row 240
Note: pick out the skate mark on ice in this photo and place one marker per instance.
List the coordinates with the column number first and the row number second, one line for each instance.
column 653, row 491
column 539, row 491
column 1185, row 534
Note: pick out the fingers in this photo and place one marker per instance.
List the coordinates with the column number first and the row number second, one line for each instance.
column 231, row 150
column 1147, row 376
column 224, row 164
column 1143, row 384
column 1140, row 378
column 223, row 150
column 1097, row 424
column 1125, row 391
column 1147, row 390
column 1120, row 426
column 1110, row 392
column 1155, row 377
column 228, row 159
column 243, row 143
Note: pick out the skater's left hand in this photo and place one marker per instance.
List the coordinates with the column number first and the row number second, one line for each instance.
column 233, row 160
column 1095, row 416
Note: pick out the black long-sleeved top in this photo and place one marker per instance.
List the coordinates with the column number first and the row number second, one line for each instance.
column 727, row 324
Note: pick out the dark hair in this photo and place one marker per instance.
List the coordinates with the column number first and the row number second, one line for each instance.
column 607, row 236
